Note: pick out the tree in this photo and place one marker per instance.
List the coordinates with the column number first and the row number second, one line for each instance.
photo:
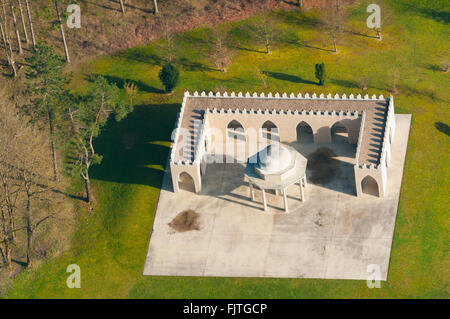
column 165, row 21
column 155, row 4
column 220, row 54
column 321, row 75
column 334, row 20
column 8, row 51
column 30, row 22
column 264, row 30
column 169, row 75
column 46, row 80
column 122, row 7
column 91, row 116
column 16, row 27
column 24, row 181
column 9, row 190
column 445, row 65
column 363, row 83
column 395, row 76
column 22, row 18
column 63, row 36
column 34, row 173
column 132, row 90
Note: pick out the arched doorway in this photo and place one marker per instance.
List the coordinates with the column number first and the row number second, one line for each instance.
column 186, row 182
column 235, row 131
column 236, row 144
column 270, row 132
column 339, row 133
column 370, row 186
column 304, row 133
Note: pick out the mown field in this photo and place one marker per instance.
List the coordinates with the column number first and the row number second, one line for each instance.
column 111, row 243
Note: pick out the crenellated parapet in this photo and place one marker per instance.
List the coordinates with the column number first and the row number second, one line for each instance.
column 277, row 95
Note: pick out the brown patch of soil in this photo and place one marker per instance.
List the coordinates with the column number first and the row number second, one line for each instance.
column 105, row 30
column 185, row 221
column 322, row 165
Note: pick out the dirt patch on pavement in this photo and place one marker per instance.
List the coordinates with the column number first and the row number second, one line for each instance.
column 185, row 221
column 323, row 166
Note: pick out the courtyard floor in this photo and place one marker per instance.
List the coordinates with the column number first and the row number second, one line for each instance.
column 333, row 234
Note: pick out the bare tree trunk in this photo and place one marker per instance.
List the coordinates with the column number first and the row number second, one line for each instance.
column 334, row 45
column 52, row 146
column 122, row 7
column 6, row 251
column 29, row 229
column 9, row 53
column 88, row 187
column 155, row 3
column 300, row 4
column 5, row 44
column 16, row 27
column 22, row 17
column 30, row 21
column 66, row 50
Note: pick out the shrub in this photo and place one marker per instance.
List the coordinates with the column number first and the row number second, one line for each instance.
column 320, row 73
column 169, row 75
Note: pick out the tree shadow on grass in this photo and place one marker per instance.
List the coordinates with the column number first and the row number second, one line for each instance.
column 141, row 55
column 442, row 127
column 437, row 15
column 135, row 150
column 288, row 77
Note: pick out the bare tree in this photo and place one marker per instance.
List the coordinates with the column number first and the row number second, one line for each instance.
column 122, row 7
column 8, row 51
column 34, row 173
column 264, row 30
column 9, row 192
column 165, row 22
column 395, row 76
column 334, row 20
column 22, row 18
column 30, row 22
column 155, row 4
column 220, row 53
column 445, row 65
column 262, row 76
column 363, row 83
column 16, row 27
column 66, row 50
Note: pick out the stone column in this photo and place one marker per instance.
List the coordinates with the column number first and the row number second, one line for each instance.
column 264, row 199
column 286, row 209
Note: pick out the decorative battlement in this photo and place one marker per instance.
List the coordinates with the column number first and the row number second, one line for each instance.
column 347, row 113
column 277, row 95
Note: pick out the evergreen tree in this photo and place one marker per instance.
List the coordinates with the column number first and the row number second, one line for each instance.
column 169, row 75
column 46, row 82
column 320, row 73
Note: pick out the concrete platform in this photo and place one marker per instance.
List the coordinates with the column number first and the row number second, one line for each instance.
column 334, row 234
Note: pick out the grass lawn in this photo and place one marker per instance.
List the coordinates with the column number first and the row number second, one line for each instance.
column 110, row 244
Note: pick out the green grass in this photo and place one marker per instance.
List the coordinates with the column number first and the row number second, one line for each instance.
column 111, row 243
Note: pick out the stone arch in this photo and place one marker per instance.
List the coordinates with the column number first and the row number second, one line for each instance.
column 369, row 185
column 235, row 130
column 270, row 131
column 304, row 133
column 186, row 182
column 339, row 133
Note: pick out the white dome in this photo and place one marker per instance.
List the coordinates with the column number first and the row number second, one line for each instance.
column 274, row 158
